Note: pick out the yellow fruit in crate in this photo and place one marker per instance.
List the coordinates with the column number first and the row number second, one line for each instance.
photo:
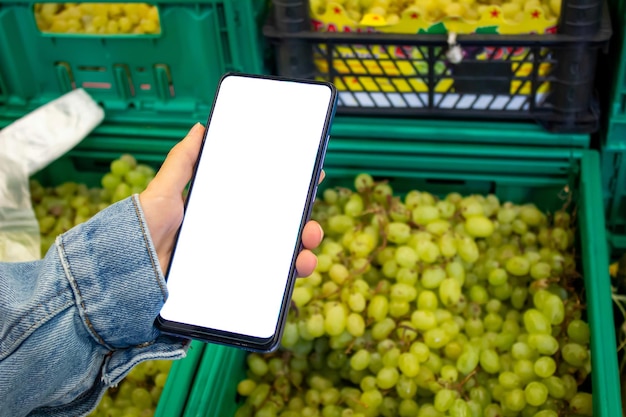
column 113, row 27
column 531, row 5
column 471, row 15
column 378, row 10
column 125, row 25
column 454, row 9
column 510, row 10
column 96, row 18
column 392, row 19
column 555, row 6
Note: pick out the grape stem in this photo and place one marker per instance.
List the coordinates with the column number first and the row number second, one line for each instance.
column 469, row 376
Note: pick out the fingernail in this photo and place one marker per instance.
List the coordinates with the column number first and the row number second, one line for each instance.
column 196, row 128
column 321, row 230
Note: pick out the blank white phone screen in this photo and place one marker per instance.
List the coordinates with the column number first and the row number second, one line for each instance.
column 232, row 261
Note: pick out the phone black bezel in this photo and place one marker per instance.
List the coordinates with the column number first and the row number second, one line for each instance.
column 251, row 343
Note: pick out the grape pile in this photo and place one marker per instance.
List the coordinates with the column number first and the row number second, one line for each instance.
column 97, row 18
column 60, row 208
column 138, row 394
column 427, row 307
column 435, row 10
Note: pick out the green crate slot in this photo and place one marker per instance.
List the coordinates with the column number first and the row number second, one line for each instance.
column 616, row 124
column 142, row 77
column 614, row 181
column 436, row 169
column 179, row 382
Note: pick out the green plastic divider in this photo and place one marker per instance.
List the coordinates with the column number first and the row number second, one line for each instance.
column 214, row 390
column 136, row 77
column 179, row 382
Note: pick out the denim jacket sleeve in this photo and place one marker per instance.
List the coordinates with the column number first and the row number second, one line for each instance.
column 78, row 320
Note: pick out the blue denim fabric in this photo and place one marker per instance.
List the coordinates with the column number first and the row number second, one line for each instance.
column 77, row 321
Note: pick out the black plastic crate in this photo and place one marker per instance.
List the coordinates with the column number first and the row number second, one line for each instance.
column 547, row 78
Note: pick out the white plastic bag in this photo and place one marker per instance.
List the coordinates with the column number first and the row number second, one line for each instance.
column 26, row 146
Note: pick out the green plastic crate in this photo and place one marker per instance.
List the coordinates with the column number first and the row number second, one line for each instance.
column 136, row 78
column 520, row 175
column 615, row 130
column 179, row 382
column 614, row 181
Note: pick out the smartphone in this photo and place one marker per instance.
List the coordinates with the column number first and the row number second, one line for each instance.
column 232, row 270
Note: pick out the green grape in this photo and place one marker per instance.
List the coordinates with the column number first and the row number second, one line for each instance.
column 480, row 395
column 409, row 364
column 536, row 322
column 420, row 350
column 315, row 325
column 556, row 387
column 110, row 181
column 340, row 223
column 378, row 308
column 518, row 297
column 422, row 215
column 479, row 226
column 432, row 277
column 498, row 277
column 578, row 332
column 459, row 408
column 427, row 300
column 545, row 344
column 428, row 410
column 406, row 276
column 363, row 182
column 335, row 320
column 490, row 361
column 444, row 399
column 509, row 380
column 514, row 400
column 259, row 394
column 257, row 364
column 575, row 354
column 546, row 413
column 436, row 338
column 540, row 270
column 571, row 386
column 478, row 294
column 536, row 393
column 493, row 322
column 518, row 266
column 408, row 408
column 449, row 292
column 554, row 309
column 398, row 233
column 424, row 319
column 382, row 193
column 383, row 328
column 468, row 360
column 406, row 256
column 403, row 292
column 467, row 249
column 355, row 325
column 524, row 368
column 371, row 398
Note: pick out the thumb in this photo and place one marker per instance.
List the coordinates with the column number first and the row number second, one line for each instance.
column 177, row 168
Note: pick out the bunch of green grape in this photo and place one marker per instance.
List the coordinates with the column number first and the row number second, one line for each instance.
column 64, row 206
column 97, row 18
column 435, row 10
column 427, row 307
column 138, row 394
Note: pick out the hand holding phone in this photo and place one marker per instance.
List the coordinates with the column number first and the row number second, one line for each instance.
column 233, row 266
